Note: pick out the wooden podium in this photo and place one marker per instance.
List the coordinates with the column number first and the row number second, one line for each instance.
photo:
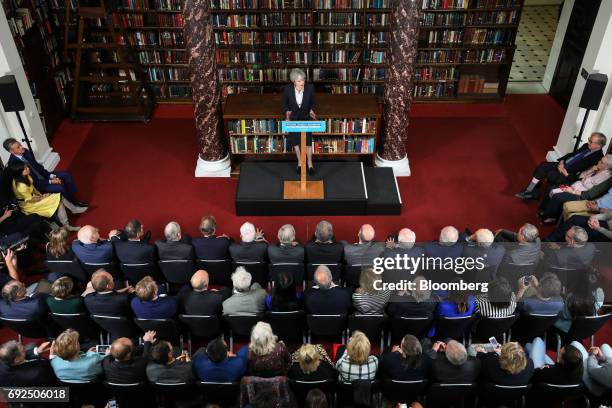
column 303, row 189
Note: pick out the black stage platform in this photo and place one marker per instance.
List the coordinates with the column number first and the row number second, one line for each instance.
column 350, row 189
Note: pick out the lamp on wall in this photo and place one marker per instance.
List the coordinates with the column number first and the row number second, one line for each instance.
column 12, row 102
column 591, row 97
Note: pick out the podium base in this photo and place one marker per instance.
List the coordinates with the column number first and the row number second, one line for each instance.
column 313, row 190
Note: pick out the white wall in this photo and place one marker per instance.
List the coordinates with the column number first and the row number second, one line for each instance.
column 597, row 58
column 555, row 49
column 10, row 64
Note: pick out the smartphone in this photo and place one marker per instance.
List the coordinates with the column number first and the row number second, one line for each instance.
column 493, row 341
column 101, row 348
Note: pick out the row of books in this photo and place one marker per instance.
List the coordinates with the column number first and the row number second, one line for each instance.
column 159, row 74
column 20, row 22
column 470, row 84
column 457, row 56
column 251, row 74
column 445, row 4
column 172, row 91
column 272, row 126
column 496, row 3
column 163, row 57
column 443, row 19
column 62, row 78
column 261, row 57
column 332, row 145
column 320, row 145
column 339, row 74
column 261, row 20
column 462, row 18
column 260, row 4
column 436, row 74
column 255, row 38
column 161, row 38
column 435, row 90
column 170, row 20
column 337, row 37
column 468, row 36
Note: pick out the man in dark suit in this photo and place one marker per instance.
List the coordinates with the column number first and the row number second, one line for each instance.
column 44, row 181
column 90, row 248
column 175, row 246
column 106, row 300
column 363, row 252
column 210, row 246
column 326, row 297
column 452, row 364
column 21, row 367
column 447, row 246
column 577, row 253
column 252, row 246
column 288, row 249
column 127, row 364
column 324, row 250
column 18, row 305
column 405, row 246
column 482, row 245
column 299, row 104
column 527, row 250
column 199, row 299
column 135, row 250
column 567, row 168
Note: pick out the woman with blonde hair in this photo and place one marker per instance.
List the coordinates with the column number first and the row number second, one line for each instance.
column 58, row 247
column 311, row 363
column 69, row 363
column 267, row 356
column 506, row 365
column 62, row 300
column 355, row 362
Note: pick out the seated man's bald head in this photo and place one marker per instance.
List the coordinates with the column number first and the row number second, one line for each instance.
column 366, row 233
column 121, row 349
column 199, row 280
column 88, row 234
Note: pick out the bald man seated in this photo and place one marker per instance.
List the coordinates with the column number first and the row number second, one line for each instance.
column 364, row 251
column 325, row 297
column 105, row 299
column 199, row 299
column 16, row 304
column 481, row 245
column 447, row 246
column 90, row 248
column 127, row 364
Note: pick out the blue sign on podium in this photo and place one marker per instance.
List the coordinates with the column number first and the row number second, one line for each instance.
column 297, row 126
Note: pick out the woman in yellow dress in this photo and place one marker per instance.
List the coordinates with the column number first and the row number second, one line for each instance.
column 31, row 201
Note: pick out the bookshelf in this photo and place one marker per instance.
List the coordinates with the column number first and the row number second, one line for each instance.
column 37, row 44
column 252, row 122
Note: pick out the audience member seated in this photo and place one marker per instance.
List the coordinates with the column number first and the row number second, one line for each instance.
column 528, row 249
column 369, row 297
column 590, row 206
column 288, row 250
column 17, row 304
column 326, row 297
column 597, row 368
column 447, row 246
column 405, row 245
column 540, row 297
column 246, row 298
column 577, row 253
column 458, row 303
column 9, row 269
column 317, row 399
column 284, row 296
column 252, row 246
column 405, row 362
column 149, row 305
column 354, row 361
column 135, row 250
column 89, row 248
column 483, row 246
column 267, row 356
column 453, row 365
column 25, row 367
column 12, row 220
column 324, row 249
column 598, row 227
column 199, row 299
column 364, row 251
column 69, row 363
column 175, row 246
column 415, row 303
column 498, row 301
column 210, row 246
column 506, row 365
column 164, row 368
column 568, row 369
column 583, row 297
column 127, row 364
column 311, row 363
column 61, row 298
column 106, row 300
column 58, row 248
column 552, row 205
column 218, row 365
column 567, row 168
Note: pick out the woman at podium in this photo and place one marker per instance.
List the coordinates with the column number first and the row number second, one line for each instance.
column 299, row 104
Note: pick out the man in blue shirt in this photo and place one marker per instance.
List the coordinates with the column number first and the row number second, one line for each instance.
column 217, row 365
column 90, row 248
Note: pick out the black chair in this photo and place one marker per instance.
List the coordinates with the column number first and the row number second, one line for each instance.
column 554, row 394
column 224, row 394
column 240, row 325
column 85, row 392
column 70, row 268
column 33, row 329
column 131, row 395
column 134, row 272
column 513, row 272
column 116, row 326
column 582, row 327
column 326, row 326
column 373, row 326
column 164, row 328
column 258, row 271
column 495, row 395
column 453, row 327
column 301, row 388
column 80, row 322
column 203, row 327
column 498, row 327
column 399, row 326
column 90, row 268
column 336, row 271
column 532, row 325
column 295, row 269
column 177, row 270
column 170, row 395
column 288, row 326
column 345, row 394
column 450, row 395
column 219, row 271
column 397, row 391
column 351, row 275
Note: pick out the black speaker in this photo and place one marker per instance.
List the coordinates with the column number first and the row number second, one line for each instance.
column 9, row 94
column 593, row 91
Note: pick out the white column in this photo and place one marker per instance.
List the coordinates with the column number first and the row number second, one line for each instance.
column 597, row 58
column 219, row 168
column 555, row 49
column 10, row 64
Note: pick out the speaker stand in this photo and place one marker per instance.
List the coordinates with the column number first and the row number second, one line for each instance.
column 25, row 135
